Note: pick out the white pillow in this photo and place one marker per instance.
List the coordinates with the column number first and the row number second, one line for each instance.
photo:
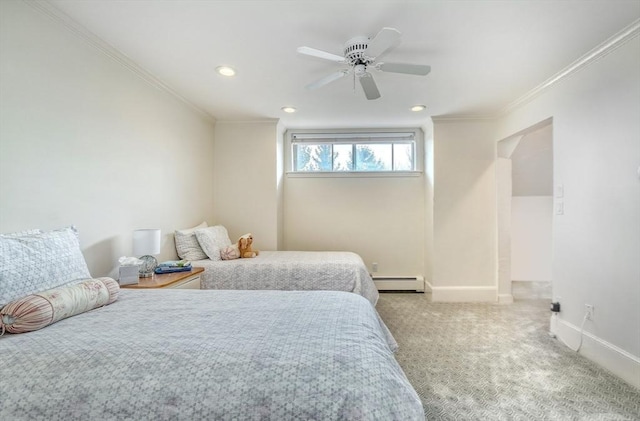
column 212, row 240
column 187, row 244
column 34, row 261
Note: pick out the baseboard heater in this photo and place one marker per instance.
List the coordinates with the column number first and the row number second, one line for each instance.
column 399, row 283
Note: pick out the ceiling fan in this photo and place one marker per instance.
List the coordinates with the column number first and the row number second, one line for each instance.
column 360, row 54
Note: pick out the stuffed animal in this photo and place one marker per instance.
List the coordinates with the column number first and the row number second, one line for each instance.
column 244, row 244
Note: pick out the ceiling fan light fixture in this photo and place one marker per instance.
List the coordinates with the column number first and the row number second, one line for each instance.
column 289, row 109
column 226, row 71
column 418, row 108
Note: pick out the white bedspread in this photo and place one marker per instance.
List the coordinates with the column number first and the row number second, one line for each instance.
column 292, row 270
column 209, row 355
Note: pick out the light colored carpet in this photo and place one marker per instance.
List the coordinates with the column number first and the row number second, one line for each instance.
column 498, row 362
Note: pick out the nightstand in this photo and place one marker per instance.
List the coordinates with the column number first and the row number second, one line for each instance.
column 182, row 280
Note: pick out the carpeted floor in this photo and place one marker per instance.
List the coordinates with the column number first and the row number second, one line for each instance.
column 498, row 362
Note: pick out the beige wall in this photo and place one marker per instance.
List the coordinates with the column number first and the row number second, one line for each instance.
column 85, row 141
column 246, row 166
column 464, row 215
column 382, row 219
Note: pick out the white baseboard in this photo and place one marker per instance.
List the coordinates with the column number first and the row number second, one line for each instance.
column 616, row 360
column 462, row 294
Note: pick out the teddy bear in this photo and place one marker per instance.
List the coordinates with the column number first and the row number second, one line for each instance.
column 244, row 244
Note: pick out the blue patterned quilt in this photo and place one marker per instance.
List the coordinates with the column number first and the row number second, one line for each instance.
column 292, row 271
column 209, row 355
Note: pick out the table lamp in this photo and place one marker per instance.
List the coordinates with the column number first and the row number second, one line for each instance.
column 146, row 242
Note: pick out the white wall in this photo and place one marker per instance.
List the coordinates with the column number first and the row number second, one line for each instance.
column 531, row 242
column 429, row 172
column 246, row 180
column 597, row 240
column 504, row 189
column 464, row 215
column 85, row 141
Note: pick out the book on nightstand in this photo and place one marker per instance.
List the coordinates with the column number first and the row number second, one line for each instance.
column 174, row 264
column 172, row 269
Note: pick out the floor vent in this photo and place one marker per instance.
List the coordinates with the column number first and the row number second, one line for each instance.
column 399, row 283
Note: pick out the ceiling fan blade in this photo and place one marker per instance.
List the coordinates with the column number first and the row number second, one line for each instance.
column 320, row 54
column 385, row 39
column 369, row 86
column 410, row 69
column 327, row 79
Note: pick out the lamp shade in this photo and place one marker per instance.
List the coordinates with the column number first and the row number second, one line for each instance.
column 146, row 242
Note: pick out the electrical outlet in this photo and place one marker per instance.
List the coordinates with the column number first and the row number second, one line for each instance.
column 374, row 266
column 588, row 308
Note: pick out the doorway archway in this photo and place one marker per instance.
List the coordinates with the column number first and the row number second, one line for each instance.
column 524, row 178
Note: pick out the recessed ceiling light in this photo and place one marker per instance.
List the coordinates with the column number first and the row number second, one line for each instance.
column 418, row 108
column 225, row 71
column 289, row 109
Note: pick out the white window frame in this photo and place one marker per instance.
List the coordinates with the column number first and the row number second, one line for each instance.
column 350, row 136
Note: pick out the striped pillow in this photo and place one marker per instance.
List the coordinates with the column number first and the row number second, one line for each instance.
column 36, row 311
column 230, row 253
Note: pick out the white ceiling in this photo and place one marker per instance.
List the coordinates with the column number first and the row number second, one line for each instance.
column 484, row 54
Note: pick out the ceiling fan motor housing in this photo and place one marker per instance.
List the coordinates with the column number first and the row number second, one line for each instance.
column 354, row 51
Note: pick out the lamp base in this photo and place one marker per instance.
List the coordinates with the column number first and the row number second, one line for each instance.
column 149, row 263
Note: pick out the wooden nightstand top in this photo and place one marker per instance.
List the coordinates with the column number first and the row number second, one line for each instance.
column 165, row 280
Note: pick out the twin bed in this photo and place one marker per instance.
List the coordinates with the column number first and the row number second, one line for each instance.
column 263, row 354
column 291, row 271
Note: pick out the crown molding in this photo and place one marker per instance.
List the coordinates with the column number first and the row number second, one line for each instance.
column 447, row 118
column 250, row 121
column 595, row 54
column 51, row 11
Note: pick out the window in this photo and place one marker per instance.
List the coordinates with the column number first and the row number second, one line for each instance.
column 380, row 152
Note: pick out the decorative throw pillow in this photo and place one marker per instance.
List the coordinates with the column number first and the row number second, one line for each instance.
column 36, row 311
column 35, row 261
column 187, row 244
column 230, row 252
column 21, row 233
column 212, row 240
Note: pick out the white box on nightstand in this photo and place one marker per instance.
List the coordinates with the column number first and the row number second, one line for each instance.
column 129, row 275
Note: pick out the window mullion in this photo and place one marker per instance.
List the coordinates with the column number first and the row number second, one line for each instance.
column 393, row 161
column 353, row 157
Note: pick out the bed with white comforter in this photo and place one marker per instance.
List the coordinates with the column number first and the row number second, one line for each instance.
column 209, row 355
column 291, row 270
